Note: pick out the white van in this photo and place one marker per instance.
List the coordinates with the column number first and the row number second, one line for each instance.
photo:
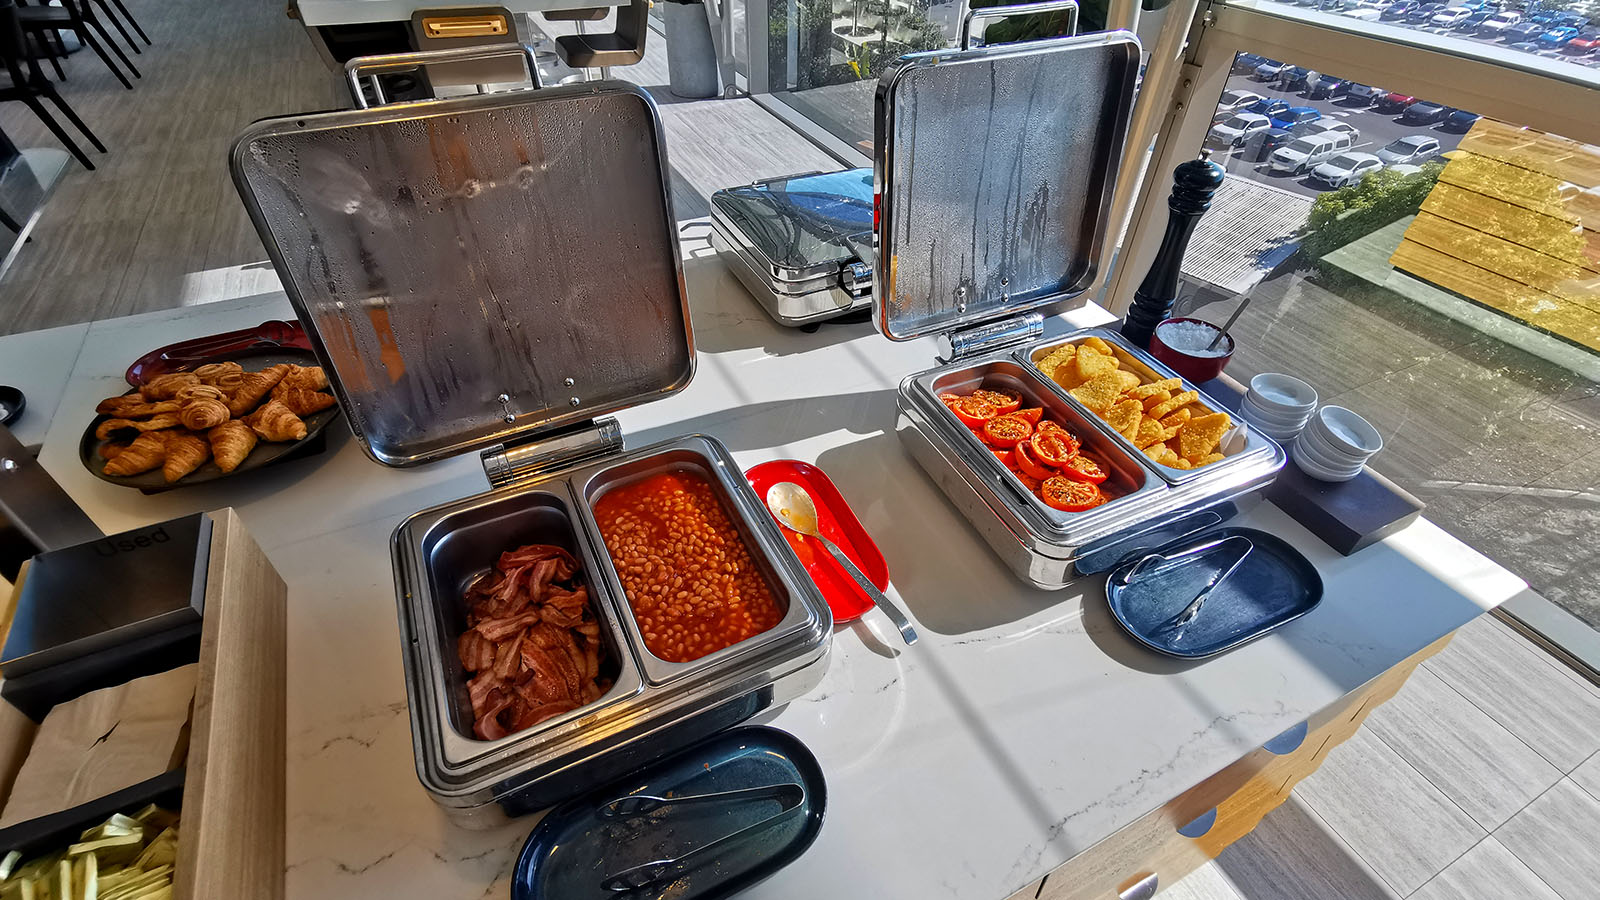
column 1309, row 152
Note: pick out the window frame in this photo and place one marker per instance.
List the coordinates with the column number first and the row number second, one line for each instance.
column 1484, row 82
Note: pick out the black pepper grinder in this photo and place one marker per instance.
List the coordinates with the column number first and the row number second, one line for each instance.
column 1193, row 183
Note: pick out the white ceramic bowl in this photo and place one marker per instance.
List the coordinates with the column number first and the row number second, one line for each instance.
column 1281, row 434
column 1312, row 465
column 1275, row 392
column 1329, row 453
column 1347, row 431
column 1249, row 408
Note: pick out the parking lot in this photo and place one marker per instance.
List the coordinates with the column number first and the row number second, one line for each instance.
column 1377, row 129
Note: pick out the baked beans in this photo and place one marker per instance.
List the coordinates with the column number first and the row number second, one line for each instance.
column 690, row 580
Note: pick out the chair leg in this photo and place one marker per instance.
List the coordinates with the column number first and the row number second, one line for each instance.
column 120, row 28
column 61, row 49
column 131, row 20
column 73, row 118
column 100, row 27
column 85, row 37
column 49, row 53
column 56, row 129
column 6, row 220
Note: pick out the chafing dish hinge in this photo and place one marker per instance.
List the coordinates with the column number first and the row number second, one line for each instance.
column 512, row 463
column 990, row 336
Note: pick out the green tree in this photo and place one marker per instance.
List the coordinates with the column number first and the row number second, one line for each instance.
column 1349, row 213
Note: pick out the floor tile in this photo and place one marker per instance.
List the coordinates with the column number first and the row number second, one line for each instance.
column 1468, row 756
column 1555, row 837
column 1587, row 776
column 1294, row 855
column 1208, row 882
column 1400, row 824
column 1523, row 689
column 1486, row 872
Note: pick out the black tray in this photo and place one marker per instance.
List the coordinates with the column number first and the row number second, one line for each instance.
column 1272, row 586
column 265, row 453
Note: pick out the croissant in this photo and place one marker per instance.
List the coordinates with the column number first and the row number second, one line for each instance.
column 253, row 387
column 224, row 375
column 111, row 450
column 186, row 451
column 303, row 402
column 111, row 426
column 276, row 422
column 193, row 392
column 231, row 442
column 134, row 406
column 145, row 453
column 308, row 378
column 163, row 387
column 204, row 414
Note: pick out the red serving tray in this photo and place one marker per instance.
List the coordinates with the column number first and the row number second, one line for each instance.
column 191, row 354
column 838, row 524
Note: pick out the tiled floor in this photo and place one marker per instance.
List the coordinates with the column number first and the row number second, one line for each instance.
column 1480, row 780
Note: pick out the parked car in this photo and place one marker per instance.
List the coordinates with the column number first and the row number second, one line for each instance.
column 1306, row 153
column 1324, row 87
column 1261, row 147
column 1424, row 13
column 1472, row 23
column 1404, row 169
column 1293, row 79
column 1525, row 47
column 1269, row 70
column 1398, row 10
column 1394, row 102
column 1238, row 128
column 1497, row 24
column 1485, row 6
column 1450, row 17
column 1571, row 20
column 1557, row 37
column 1296, row 115
column 1232, row 100
column 1587, row 41
column 1267, row 106
column 1363, row 94
column 1523, row 32
column 1425, row 113
column 1245, row 63
column 1342, row 127
column 1362, row 14
column 1459, row 122
column 1413, row 148
column 1346, row 168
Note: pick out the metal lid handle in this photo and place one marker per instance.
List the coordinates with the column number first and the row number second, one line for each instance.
column 1018, row 9
column 386, row 63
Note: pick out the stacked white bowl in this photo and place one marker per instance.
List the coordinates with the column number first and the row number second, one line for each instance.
column 1335, row 445
column 1278, row 405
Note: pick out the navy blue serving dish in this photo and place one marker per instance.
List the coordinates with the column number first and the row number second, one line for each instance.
column 1272, row 586
column 578, row 846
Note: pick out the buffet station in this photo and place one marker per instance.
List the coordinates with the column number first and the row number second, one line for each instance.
column 600, row 578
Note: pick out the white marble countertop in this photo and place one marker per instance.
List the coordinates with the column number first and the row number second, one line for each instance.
column 1023, row 728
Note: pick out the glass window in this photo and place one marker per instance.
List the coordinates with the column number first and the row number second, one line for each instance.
column 1449, row 293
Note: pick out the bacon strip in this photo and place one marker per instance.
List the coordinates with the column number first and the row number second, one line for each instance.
column 532, row 642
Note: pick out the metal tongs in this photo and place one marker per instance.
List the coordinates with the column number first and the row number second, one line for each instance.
column 650, row 873
column 1177, row 623
column 639, row 804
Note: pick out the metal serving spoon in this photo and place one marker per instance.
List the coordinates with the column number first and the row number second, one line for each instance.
column 787, row 793
column 656, row 871
column 792, row 506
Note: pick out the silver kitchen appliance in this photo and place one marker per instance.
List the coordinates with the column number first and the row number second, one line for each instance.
column 788, row 240
column 495, row 273
column 972, row 243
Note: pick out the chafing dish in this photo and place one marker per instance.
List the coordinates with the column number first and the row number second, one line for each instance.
column 971, row 243
column 789, row 241
column 459, row 266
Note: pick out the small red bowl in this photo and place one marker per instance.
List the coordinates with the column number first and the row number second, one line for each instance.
column 839, row 524
column 1193, row 368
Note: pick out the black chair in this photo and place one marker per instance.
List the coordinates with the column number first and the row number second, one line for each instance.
column 78, row 17
column 623, row 47
column 28, row 84
column 118, row 23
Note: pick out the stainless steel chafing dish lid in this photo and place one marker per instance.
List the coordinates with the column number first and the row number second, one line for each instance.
column 796, row 228
column 994, row 171
column 477, row 269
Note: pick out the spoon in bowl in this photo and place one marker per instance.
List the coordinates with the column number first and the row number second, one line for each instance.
column 791, row 505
